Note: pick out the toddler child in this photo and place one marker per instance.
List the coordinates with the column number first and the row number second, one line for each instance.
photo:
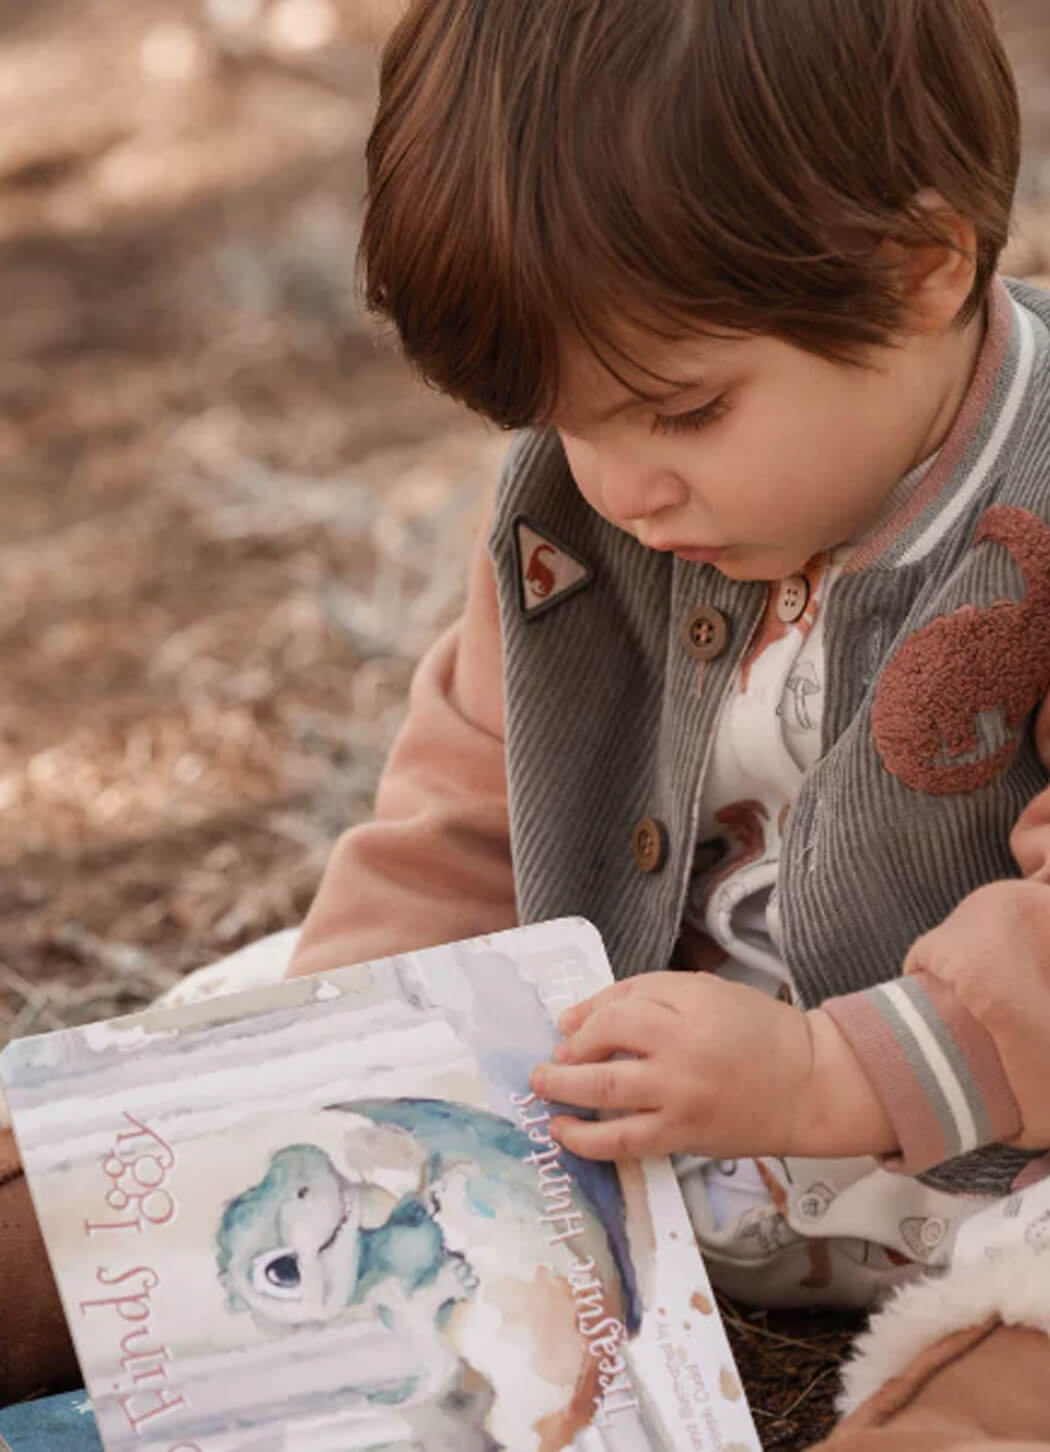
column 753, row 667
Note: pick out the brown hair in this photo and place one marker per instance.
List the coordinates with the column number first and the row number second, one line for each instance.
column 541, row 170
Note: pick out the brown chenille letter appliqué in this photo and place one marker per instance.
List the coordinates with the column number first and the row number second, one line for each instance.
column 952, row 704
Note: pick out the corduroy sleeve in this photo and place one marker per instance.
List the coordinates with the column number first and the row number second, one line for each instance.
column 434, row 865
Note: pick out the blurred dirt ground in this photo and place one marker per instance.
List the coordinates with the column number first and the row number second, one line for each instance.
column 231, row 520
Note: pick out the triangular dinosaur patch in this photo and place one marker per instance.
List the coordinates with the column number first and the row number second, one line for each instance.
column 548, row 571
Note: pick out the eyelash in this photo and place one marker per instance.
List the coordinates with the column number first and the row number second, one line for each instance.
column 689, row 423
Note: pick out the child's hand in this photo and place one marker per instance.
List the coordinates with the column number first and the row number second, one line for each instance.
column 717, row 1069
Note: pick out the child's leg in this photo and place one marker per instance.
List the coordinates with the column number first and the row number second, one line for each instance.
column 257, row 965
column 959, row 1364
column 36, row 1354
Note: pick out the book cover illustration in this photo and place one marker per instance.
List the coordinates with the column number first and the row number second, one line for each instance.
column 329, row 1216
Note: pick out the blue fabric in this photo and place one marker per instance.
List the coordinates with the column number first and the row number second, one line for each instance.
column 54, row 1424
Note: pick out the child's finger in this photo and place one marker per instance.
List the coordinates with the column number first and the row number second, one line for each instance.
column 578, row 1014
column 628, row 1138
column 619, row 1084
column 652, row 987
column 622, row 1027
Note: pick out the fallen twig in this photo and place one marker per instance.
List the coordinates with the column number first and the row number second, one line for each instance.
column 782, row 1416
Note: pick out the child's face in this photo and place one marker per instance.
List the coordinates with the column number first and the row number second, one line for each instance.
column 774, row 454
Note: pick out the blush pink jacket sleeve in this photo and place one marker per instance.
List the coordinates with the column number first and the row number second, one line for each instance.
column 433, row 866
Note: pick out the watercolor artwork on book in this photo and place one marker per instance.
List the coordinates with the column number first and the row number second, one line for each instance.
column 329, row 1216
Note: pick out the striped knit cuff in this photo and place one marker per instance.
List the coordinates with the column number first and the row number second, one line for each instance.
column 935, row 1069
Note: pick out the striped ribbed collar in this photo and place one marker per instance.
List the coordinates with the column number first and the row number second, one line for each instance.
column 897, row 502
column 972, row 455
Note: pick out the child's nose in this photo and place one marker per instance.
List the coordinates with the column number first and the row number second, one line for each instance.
column 632, row 493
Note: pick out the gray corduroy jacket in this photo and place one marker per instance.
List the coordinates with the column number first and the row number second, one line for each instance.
column 938, row 653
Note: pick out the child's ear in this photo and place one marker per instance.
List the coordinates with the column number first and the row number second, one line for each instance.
column 938, row 277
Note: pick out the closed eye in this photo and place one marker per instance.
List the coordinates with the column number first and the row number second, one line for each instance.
column 691, row 422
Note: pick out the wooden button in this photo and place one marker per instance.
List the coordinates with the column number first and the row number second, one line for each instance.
column 792, row 598
column 649, row 843
column 706, row 633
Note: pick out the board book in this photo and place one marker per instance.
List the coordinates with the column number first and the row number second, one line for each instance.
column 328, row 1216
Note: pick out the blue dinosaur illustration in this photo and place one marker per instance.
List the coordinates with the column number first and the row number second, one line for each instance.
column 309, row 1246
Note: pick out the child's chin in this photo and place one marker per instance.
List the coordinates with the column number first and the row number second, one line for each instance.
column 757, row 565
column 743, row 567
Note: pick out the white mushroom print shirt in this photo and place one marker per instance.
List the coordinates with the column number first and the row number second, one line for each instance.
column 768, row 734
